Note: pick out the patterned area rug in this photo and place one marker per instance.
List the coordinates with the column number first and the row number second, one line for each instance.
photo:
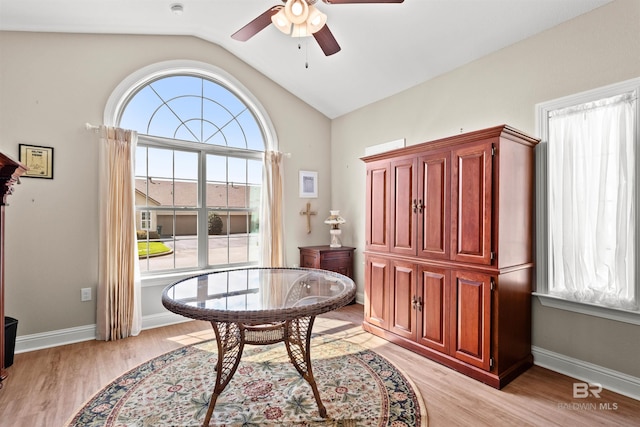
column 357, row 386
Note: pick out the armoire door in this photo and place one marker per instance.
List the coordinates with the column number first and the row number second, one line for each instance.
column 471, row 195
column 433, row 308
column 378, row 206
column 404, row 206
column 471, row 318
column 376, row 291
column 404, row 299
column 434, row 205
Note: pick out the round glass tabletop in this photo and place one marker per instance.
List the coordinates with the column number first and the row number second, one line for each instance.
column 259, row 295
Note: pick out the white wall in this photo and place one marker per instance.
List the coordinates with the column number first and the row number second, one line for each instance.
column 50, row 85
column 593, row 50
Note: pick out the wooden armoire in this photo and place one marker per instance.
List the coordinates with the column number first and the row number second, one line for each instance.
column 10, row 170
column 449, row 251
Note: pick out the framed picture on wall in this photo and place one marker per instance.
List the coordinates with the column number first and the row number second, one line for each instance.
column 38, row 160
column 308, row 184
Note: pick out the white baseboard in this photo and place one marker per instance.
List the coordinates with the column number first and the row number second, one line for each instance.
column 162, row 319
column 59, row 337
column 56, row 338
column 615, row 381
column 25, row 343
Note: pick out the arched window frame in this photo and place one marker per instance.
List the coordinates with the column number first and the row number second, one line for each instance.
column 120, row 96
column 132, row 83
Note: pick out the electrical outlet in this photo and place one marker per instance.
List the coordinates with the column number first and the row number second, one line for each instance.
column 85, row 294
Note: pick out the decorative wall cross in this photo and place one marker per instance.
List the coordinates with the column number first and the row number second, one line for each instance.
column 308, row 213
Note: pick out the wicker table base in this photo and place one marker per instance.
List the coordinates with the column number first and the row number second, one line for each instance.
column 231, row 338
column 260, row 306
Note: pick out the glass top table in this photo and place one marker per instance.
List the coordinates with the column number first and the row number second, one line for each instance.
column 260, row 306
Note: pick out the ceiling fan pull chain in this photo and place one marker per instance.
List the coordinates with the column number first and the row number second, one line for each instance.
column 306, row 53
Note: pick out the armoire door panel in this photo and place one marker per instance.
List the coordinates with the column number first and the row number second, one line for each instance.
column 376, row 291
column 472, row 198
column 403, row 294
column 471, row 315
column 378, row 201
column 434, row 205
column 403, row 212
column 433, row 323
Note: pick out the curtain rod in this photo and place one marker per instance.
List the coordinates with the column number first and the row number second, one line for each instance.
column 95, row 128
column 89, row 126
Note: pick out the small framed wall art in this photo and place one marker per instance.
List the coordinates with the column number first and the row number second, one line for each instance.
column 308, row 184
column 38, row 160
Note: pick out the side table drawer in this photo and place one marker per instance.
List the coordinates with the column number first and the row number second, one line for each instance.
column 338, row 267
column 309, row 260
column 342, row 256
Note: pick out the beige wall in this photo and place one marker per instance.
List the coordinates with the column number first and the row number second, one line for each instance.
column 50, row 85
column 593, row 50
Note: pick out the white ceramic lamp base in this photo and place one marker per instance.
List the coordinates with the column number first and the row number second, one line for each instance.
column 335, row 238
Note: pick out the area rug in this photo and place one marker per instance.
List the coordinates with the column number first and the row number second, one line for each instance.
column 357, row 386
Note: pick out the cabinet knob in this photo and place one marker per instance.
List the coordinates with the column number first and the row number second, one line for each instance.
column 416, row 303
column 417, row 206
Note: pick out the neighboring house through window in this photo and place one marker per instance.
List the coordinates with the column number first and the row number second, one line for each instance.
column 588, row 206
column 198, row 171
column 145, row 220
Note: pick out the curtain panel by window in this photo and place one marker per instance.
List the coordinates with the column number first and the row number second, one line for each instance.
column 118, row 297
column 271, row 211
column 592, row 176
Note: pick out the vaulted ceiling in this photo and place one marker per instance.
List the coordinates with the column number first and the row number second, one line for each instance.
column 386, row 48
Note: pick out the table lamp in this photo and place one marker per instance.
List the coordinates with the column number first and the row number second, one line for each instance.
column 335, row 220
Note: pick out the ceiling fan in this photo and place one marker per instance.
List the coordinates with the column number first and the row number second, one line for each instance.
column 299, row 18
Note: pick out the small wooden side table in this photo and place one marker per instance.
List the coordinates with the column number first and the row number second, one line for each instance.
column 325, row 257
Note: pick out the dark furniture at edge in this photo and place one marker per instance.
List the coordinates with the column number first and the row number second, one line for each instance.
column 449, row 251
column 10, row 170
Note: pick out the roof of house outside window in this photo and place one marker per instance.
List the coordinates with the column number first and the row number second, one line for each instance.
column 186, row 193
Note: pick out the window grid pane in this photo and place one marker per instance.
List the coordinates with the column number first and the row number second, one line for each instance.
column 169, row 184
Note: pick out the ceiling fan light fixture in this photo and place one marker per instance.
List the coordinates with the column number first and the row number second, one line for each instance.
column 301, row 30
column 281, row 22
column 316, row 20
column 297, row 11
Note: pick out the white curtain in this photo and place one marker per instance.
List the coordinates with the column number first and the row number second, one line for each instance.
column 118, row 300
column 272, row 211
column 592, row 180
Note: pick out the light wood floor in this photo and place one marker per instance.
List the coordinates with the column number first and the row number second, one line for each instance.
column 46, row 387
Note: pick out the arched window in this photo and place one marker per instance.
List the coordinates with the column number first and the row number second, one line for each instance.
column 198, row 171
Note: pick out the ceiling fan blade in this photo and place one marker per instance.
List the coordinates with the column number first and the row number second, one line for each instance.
column 327, row 42
column 255, row 26
column 361, row 1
